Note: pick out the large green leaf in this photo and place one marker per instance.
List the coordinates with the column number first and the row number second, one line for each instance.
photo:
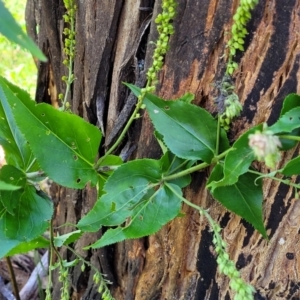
column 189, row 131
column 292, row 167
column 10, row 29
column 64, row 144
column 29, row 219
column 16, row 148
column 237, row 161
column 148, row 217
column 244, row 198
column 124, row 189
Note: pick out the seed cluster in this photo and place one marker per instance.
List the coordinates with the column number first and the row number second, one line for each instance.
column 239, row 31
column 165, row 29
column 243, row 291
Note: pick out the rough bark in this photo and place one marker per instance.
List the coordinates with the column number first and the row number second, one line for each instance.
column 112, row 42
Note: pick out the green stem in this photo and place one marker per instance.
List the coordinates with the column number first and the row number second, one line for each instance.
column 290, row 137
column 34, row 174
column 284, row 181
column 196, row 168
column 218, row 135
column 201, row 210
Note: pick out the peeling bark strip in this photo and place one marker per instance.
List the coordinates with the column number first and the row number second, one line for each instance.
column 178, row 262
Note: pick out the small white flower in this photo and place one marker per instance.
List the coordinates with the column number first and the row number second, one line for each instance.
column 265, row 146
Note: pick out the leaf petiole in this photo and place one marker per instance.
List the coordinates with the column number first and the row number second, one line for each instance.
column 197, row 167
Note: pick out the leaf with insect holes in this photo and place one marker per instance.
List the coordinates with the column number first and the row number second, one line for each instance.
column 64, row 145
column 149, row 215
column 290, row 102
column 189, row 131
column 287, row 122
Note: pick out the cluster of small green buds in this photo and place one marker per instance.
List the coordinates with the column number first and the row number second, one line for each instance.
column 227, row 101
column 239, row 32
column 165, row 29
column 233, row 108
column 63, row 278
column 265, row 146
column 69, row 46
column 102, row 286
column 243, row 291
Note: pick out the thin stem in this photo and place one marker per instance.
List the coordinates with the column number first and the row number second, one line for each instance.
column 31, row 164
column 218, row 135
column 285, row 181
column 290, row 137
column 196, row 168
column 128, row 124
column 201, row 210
column 34, row 174
column 13, row 278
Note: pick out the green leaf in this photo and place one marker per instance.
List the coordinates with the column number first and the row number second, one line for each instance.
column 10, row 199
column 148, row 217
column 29, row 220
column 124, row 189
column 16, row 148
column 244, row 198
column 292, row 167
column 287, row 122
column 67, row 238
column 187, row 98
column 64, row 145
column 189, row 131
column 38, row 243
column 237, row 161
column 10, row 29
column 290, row 102
column 8, row 187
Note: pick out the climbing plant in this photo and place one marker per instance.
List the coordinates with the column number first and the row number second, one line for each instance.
column 138, row 197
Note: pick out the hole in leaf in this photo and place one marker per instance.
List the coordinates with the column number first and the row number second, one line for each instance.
column 43, row 115
column 291, row 118
column 141, row 218
column 78, row 180
column 167, row 107
column 131, row 187
column 75, row 157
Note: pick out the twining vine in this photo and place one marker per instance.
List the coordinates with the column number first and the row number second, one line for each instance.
column 137, row 198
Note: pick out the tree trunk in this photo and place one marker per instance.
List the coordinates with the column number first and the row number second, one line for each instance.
column 113, row 45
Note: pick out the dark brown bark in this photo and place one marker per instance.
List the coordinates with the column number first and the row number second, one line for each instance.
column 112, row 40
